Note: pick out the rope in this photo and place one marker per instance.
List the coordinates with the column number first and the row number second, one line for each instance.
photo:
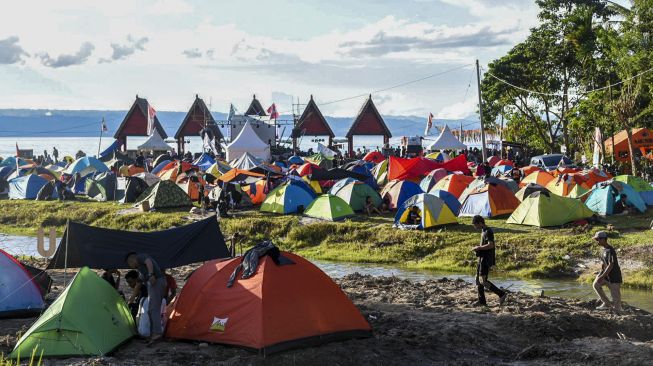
column 568, row 94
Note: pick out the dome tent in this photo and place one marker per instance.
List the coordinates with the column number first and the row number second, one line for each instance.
column 329, row 207
column 489, row 201
column 546, row 209
column 399, row 191
column 89, row 318
column 356, row 193
column 433, row 211
column 280, row 307
column 604, row 195
column 19, row 293
column 288, row 198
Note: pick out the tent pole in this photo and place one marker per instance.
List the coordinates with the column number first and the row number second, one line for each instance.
column 65, row 261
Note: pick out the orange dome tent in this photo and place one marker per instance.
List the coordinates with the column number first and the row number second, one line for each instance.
column 278, row 308
column 561, row 187
column 454, row 184
column 541, row 178
column 306, row 169
column 374, row 156
column 259, row 196
column 489, row 201
column 529, row 169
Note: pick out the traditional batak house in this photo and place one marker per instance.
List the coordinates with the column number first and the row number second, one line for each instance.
column 311, row 123
column 368, row 123
column 135, row 123
column 198, row 122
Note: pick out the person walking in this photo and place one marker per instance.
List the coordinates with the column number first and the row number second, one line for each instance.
column 485, row 252
column 610, row 275
column 55, row 154
column 156, row 284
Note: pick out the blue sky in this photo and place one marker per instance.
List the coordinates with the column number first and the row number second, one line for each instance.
column 98, row 54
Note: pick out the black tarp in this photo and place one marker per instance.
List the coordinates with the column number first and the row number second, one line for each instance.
column 106, row 248
column 336, row 174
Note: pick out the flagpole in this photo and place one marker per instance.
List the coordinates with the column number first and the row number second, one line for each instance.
column 99, row 145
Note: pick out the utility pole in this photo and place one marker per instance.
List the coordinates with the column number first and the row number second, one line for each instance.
column 480, row 110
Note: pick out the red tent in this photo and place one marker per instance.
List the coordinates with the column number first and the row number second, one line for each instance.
column 279, row 307
column 504, row 162
column 306, row 169
column 416, row 168
column 374, row 156
column 492, row 160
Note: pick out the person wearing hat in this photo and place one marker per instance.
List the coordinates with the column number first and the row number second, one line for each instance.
column 485, row 252
column 610, row 275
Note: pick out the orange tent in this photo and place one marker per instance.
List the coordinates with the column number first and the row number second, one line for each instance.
column 529, row 169
column 489, row 201
column 596, row 176
column 278, row 308
column 306, row 169
column 259, row 195
column 561, row 187
column 454, row 184
column 374, row 156
column 170, row 170
column 541, row 178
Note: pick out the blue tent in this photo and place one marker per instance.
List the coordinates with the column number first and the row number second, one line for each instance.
column 287, row 198
column 86, row 165
column 500, row 170
column 19, row 293
column 647, row 197
column 115, row 146
column 26, row 187
column 449, row 199
column 399, row 191
column 604, row 195
column 8, row 161
column 160, row 166
column 340, row 184
column 6, row 171
column 363, row 169
column 204, row 162
column 296, row 160
column 280, row 164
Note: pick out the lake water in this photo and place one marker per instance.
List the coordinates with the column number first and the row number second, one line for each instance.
column 25, row 245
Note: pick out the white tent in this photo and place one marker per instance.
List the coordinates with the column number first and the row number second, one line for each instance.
column 154, row 143
column 248, row 141
column 325, row 151
column 246, row 162
column 447, row 141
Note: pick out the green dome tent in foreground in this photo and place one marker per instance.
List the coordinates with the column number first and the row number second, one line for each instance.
column 329, row 207
column 89, row 318
column 546, row 209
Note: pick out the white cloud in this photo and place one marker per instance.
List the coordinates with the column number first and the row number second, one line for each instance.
column 459, row 110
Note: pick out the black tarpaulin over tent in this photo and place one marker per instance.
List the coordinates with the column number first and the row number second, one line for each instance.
column 106, row 248
column 336, row 174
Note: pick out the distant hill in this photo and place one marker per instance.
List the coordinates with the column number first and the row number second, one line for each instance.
column 79, row 123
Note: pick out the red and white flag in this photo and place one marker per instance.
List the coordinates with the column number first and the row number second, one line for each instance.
column 151, row 114
column 273, row 111
column 429, row 124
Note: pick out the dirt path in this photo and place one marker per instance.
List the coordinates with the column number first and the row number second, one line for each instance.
column 433, row 322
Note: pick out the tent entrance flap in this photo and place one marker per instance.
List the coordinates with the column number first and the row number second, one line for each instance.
column 101, row 248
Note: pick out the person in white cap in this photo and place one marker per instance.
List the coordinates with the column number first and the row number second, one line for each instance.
column 610, row 275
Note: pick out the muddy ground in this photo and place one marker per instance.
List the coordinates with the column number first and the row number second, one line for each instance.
column 433, row 322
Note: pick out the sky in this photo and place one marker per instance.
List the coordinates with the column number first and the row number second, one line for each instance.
column 99, row 54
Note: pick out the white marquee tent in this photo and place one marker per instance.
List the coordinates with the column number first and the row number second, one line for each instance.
column 447, row 141
column 154, row 143
column 248, row 141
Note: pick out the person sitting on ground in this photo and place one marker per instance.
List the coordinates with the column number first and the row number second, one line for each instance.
column 622, row 206
column 139, row 291
column 485, row 252
column 370, row 207
column 153, row 276
column 171, row 287
column 113, row 281
column 414, row 217
column 610, row 275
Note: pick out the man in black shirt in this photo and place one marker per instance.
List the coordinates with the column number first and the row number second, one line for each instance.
column 610, row 275
column 486, row 259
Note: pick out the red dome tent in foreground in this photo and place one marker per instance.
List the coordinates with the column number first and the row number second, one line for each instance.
column 135, row 123
column 280, row 307
column 368, row 123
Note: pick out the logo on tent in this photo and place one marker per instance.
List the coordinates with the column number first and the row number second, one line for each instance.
column 218, row 324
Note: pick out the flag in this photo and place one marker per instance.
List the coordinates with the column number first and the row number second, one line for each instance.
column 104, row 126
column 151, row 114
column 429, row 124
column 17, row 150
column 272, row 110
column 596, row 157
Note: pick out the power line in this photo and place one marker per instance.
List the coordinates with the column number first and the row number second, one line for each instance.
column 567, row 94
column 51, row 131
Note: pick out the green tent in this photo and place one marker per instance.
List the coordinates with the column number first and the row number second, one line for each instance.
column 321, row 160
column 356, row 193
column 102, row 187
column 547, row 209
column 164, row 194
column 578, row 192
column 639, row 184
column 329, row 207
column 89, row 318
column 380, row 172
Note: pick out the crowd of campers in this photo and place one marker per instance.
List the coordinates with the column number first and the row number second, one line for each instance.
column 219, row 302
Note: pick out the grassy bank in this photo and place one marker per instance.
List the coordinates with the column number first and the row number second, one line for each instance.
column 523, row 251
